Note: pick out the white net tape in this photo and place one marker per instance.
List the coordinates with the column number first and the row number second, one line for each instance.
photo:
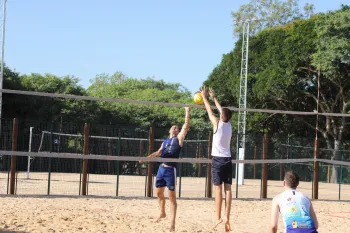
column 54, row 95
column 181, row 160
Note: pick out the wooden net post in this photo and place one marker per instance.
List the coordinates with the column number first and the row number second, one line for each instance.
column 85, row 161
column 13, row 157
column 316, row 170
column 149, row 172
column 265, row 166
column 209, row 181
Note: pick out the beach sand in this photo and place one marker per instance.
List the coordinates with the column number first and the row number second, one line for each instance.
column 96, row 214
column 31, row 210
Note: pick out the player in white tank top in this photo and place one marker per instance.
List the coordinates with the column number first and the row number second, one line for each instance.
column 221, row 161
column 296, row 209
column 222, row 140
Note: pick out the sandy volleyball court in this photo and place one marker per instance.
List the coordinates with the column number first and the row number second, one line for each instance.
column 134, row 186
column 64, row 211
column 78, row 214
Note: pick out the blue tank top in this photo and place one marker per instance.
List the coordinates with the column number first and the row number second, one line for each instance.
column 295, row 211
column 171, row 150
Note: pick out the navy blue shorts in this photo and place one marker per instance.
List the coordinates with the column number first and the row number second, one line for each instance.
column 221, row 170
column 166, row 176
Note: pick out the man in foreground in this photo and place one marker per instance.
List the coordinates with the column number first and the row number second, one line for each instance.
column 166, row 175
column 296, row 209
column 221, row 153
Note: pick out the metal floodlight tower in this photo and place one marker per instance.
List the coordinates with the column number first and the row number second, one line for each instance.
column 243, row 99
column 2, row 38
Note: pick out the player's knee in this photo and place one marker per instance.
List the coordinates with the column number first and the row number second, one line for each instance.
column 227, row 187
column 172, row 196
column 172, row 199
column 160, row 193
column 218, row 189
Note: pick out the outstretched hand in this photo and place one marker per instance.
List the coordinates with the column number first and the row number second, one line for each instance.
column 204, row 91
column 211, row 93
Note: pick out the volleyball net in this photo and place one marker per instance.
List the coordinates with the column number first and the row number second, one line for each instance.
column 50, row 158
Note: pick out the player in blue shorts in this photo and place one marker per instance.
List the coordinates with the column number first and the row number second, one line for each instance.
column 166, row 175
column 296, row 209
column 221, row 153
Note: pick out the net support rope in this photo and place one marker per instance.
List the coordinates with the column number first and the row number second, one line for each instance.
column 181, row 160
column 65, row 96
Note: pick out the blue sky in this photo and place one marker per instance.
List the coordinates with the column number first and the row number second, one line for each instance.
column 177, row 41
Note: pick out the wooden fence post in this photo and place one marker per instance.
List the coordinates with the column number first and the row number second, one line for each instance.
column 281, row 169
column 209, row 182
column 316, row 170
column 199, row 165
column 254, row 165
column 85, row 161
column 329, row 174
column 265, row 167
column 111, row 154
column 13, row 157
column 140, row 155
column 150, row 151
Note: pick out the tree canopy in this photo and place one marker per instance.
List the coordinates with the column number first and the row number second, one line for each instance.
column 270, row 13
column 122, row 87
column 285, row 63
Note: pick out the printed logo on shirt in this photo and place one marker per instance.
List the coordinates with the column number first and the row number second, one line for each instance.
column 303, row 225
column 293, row 211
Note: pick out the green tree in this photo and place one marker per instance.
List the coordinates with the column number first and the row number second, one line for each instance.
column 270, row 13
column 331, row 63
column 121, row 87
column 52, row 109
column 11, row 81
column 285, row 63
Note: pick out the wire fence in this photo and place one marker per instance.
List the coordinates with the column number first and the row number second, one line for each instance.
column 63, row 176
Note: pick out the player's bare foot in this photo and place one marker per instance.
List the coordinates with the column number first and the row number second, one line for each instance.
column 227, row 226
column 217, row 223
column 172, row 227
column 163, row 215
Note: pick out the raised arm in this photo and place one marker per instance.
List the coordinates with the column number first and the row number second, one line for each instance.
column 154, row 154
column 211, row 115
column 213, row 96
column 185, row 126
column 274, row 215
